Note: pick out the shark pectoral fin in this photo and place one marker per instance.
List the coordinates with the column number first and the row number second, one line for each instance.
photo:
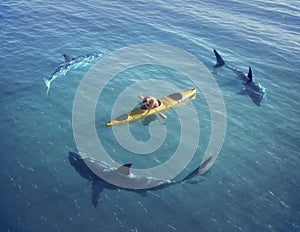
column 97, row 188
column 124, row 169
column 67, row 58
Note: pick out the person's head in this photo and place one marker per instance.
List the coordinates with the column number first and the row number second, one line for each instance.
column 145, row 99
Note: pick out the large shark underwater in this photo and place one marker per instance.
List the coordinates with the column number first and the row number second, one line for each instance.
column 71, row 63
column 81, row 164
column 251, row 88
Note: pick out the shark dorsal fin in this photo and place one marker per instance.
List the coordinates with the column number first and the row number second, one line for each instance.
column 67, row 58
column 124, row 169
column 249, row 76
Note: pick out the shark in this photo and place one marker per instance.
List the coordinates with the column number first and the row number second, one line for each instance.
column 71, row 63
column 250, row 87
column 82, row 164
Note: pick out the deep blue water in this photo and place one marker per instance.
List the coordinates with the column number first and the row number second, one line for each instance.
column 253, row 186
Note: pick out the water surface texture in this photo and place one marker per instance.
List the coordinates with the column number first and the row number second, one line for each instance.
column 255, row 183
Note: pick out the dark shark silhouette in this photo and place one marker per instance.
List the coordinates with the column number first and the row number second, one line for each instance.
column 251, row 88
column 79, row 162
column 76, row 62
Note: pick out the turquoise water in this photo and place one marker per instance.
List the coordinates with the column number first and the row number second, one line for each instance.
column 254, row 184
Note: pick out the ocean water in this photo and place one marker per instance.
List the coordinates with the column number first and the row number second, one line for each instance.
column 254, row 184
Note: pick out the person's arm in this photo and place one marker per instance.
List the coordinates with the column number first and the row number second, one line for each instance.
column 151, row 103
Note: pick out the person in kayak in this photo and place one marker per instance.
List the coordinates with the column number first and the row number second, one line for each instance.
column 150, row 102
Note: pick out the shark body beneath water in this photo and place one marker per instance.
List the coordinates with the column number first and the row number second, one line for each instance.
column 251, row 88
column 71, row 63
column 82, row 164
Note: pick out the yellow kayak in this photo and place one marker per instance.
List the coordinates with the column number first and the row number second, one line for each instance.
column 165, row 104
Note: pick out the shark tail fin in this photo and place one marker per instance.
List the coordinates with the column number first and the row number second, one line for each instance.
column 220, row 61
column 249, row 76
column 47, row 83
